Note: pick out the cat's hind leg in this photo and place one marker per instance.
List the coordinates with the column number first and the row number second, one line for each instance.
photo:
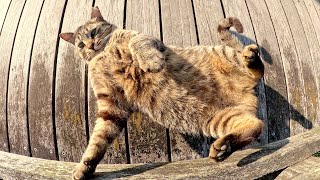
column 148, row 51
column 108, row 127
column 235, row 130
column 251, row 59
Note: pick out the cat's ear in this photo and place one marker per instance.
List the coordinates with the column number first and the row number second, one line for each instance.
column 95, row 13
column 67, row 37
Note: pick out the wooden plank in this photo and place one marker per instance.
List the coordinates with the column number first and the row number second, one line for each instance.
column 147, row 140
column 208, row 15
column 5, row 4
column 18, row 79
column 70, row 88
column 6, row 43
column 315, row 18
column 40, row 110
column 240, row 10
column 307, row 169
column 178, row 28
column 314, row 46
column 293, row 70
column 113, row 12
column 304, row 55
column 246, row 164
column 6, row 40
column 275, row 82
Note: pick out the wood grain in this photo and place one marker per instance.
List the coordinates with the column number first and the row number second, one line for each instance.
column 238, row 9
column 246, row 164
column 18, row 79
column 315, row 19
column 70, row 88
column 40, row 109
column 276, row 92
column 113, row 12
column 208, row 14
column 179, row 28
column 303, row 52
column 314, row 46
column 307, row 169
column 292, row 68
column 3, row 11
column 147, row 139
column 6, row 40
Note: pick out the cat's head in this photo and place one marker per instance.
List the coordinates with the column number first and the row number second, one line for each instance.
column 90, row 39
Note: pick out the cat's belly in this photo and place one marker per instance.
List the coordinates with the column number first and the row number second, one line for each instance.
column 185, row 115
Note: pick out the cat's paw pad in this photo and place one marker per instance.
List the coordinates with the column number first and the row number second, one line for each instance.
column 220, row 152
column 153, row 62
column 250, row 52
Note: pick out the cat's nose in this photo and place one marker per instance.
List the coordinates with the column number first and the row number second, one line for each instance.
column 91, row 46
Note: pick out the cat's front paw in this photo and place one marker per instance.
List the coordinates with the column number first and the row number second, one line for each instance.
column 82, row 171
column 250, row 52
column 152, row 61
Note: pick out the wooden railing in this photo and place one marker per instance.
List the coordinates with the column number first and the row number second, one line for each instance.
column 246, row 164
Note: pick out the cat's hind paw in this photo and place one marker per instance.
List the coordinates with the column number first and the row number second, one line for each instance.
column 220, row 150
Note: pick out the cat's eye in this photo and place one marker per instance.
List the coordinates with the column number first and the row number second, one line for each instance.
column 94, row 32
column 81, row 45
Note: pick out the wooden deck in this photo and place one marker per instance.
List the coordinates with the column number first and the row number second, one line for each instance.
column 47, row 107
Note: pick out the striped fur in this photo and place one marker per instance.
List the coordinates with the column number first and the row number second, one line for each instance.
column 201, row 89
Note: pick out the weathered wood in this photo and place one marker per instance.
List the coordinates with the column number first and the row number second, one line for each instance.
column 311, row 7
column 239, row 9
column 70, row 88
column 308, row 169
column 314, row 46
column 291, row 64
column 276, row 93
column 113, row 12
column 40, row 110
column 5, row 38
column 208, row 14
column 6, row 43
column 18, row 79
column 3, row 11
column 178, row 28
column 147, row 140
column 246, row 164
column 304, row 55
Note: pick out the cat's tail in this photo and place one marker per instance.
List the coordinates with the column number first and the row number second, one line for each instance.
column 225, row 35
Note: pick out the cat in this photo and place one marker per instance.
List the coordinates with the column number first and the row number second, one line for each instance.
column 197, row 90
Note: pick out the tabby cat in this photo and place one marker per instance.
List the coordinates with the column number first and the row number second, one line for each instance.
column 201, row 89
